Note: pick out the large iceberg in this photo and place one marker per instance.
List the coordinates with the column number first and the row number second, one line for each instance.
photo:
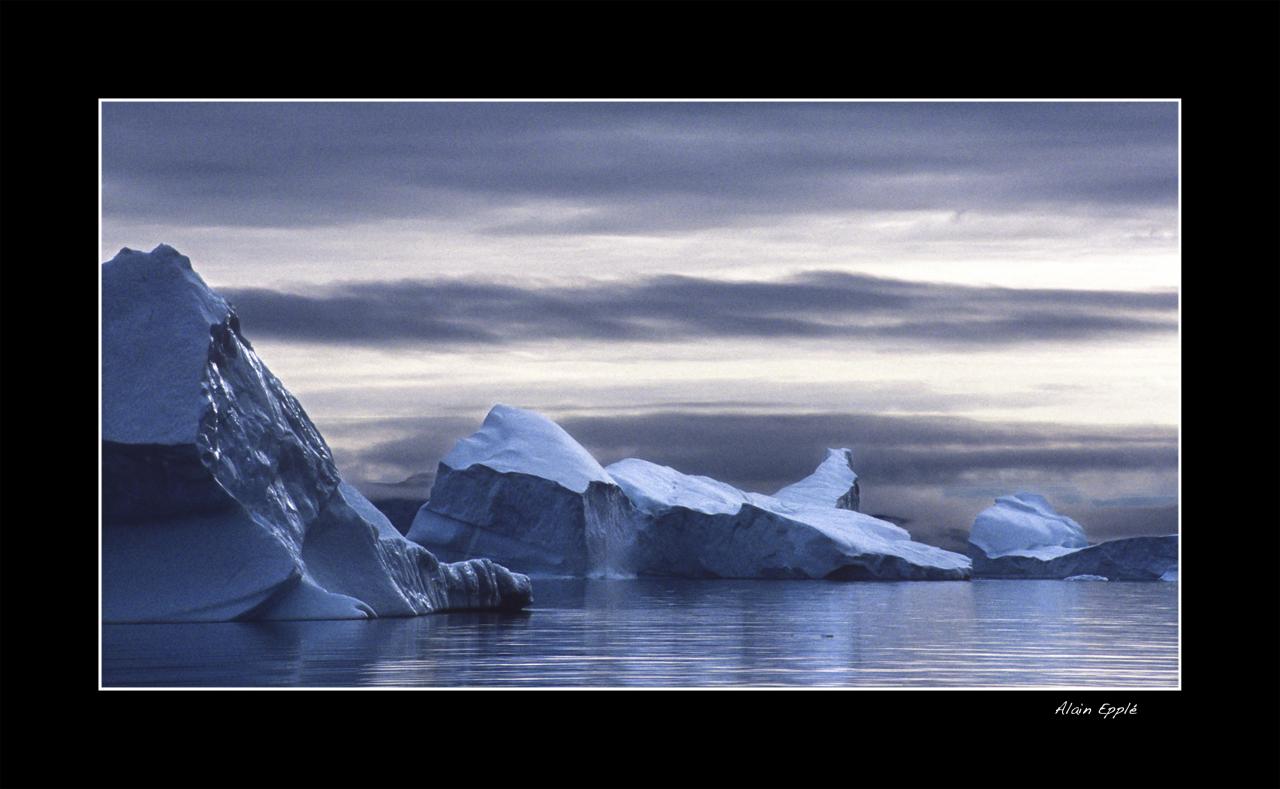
column 833, row 484
column 523, row 491
column 698, row 527
column 1023, row 537
column 220, row 499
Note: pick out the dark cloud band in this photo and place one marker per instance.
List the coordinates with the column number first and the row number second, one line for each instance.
column 672, row 308
column 763, row 451
column 766, row 451
column 639, row 167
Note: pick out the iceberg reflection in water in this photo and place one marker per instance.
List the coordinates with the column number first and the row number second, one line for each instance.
column 664, row 632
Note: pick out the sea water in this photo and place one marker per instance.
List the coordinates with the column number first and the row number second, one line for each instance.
column 683, row 633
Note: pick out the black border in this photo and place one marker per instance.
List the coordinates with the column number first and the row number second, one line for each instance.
column 59, row 58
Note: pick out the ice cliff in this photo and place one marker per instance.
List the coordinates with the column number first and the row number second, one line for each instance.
column 1021, row 536
column 1126, row 559
column 523, row 491
column 220, row 498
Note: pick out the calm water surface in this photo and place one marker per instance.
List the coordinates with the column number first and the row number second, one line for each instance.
column 698, row 633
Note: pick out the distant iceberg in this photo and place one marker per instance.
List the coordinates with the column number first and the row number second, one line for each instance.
column 1024, row 524
column 1022, row 536
column 523, row 491
column 221, row 500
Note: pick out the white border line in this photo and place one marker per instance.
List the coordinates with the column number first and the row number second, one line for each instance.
column 100, row 237
column 1179, row 581
column 645, row 101
column 1019, row 688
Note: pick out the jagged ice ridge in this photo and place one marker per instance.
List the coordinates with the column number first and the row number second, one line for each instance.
column 221, row 500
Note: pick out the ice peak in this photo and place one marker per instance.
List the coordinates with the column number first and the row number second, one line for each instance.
column 501, row 412
column 1033, row 501
column 156, row 317
column 525, row 442
column 162, row 254
column 168, row 253
column 833, row 484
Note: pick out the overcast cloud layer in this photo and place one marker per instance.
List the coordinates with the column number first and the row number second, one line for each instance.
column 975, row 297
column 675, row 308
column 620, row 168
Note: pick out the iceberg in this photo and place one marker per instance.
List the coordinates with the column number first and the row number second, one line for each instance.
column 523, row 490
column 1024, row 524
column 220, row 498
column 1023, row 537
column 1084, row 578
column 1126, row 559
column 698, row 527
column 833, row 484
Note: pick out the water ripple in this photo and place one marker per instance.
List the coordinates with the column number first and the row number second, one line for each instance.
column 666, row 633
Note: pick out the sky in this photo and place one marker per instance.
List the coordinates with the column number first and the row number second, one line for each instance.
column 976, row 297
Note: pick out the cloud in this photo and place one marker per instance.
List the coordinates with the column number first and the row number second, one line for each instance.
column 609, row 168
column 821, row 304
column 765, row 452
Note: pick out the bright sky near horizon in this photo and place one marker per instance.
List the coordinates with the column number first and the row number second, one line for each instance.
column 977, row 297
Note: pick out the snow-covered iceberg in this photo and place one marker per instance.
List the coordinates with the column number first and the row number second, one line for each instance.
column 1024, row 524
column 521, row 490
column 1023, row 537
column 833, row 484
column 698, row 527
column 221, row 500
